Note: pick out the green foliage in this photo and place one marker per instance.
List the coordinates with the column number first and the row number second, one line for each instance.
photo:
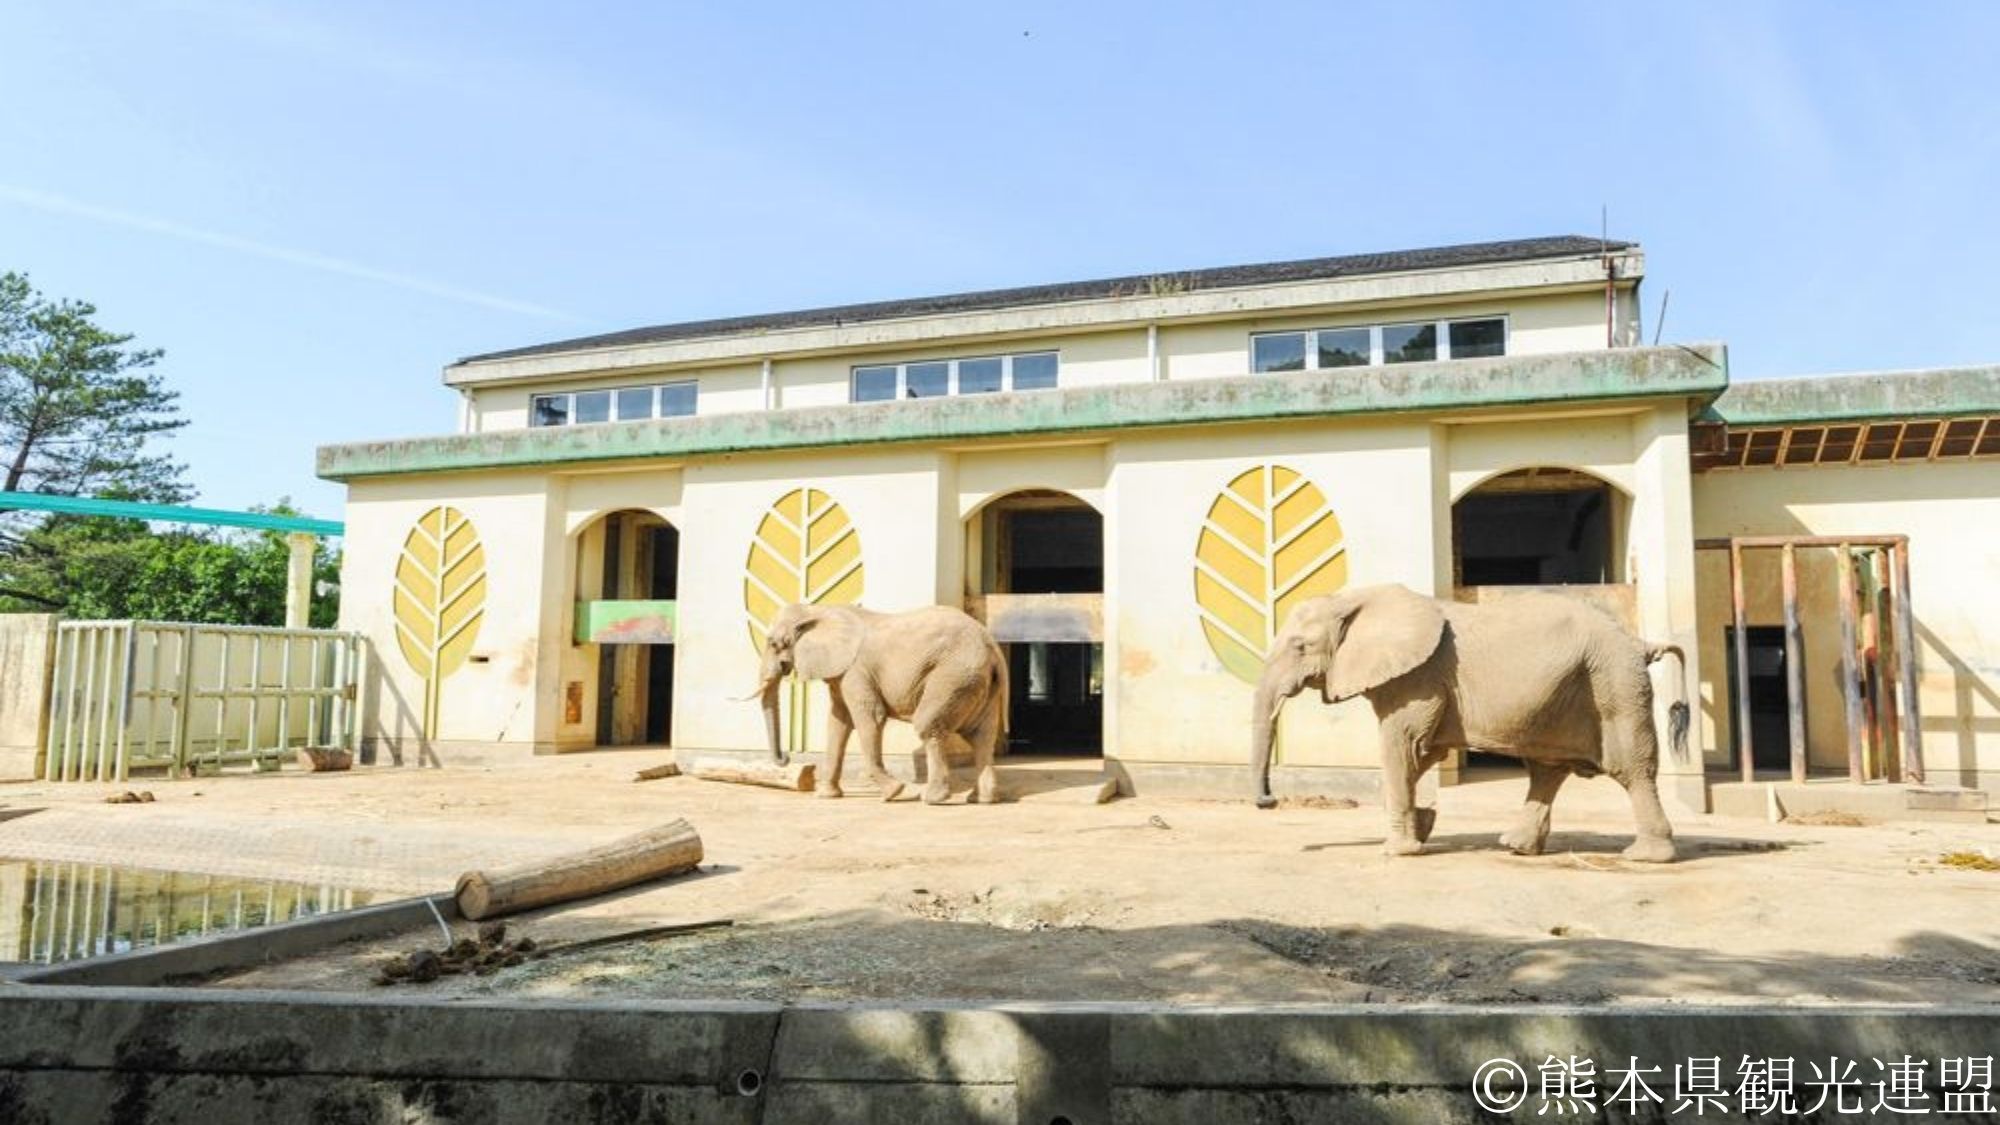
column 78, row 406
column 91, row 567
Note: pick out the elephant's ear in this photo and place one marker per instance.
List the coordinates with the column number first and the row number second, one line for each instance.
column 826, row 644
column 1389, row 633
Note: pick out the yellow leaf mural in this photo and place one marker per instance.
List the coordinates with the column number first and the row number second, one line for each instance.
column 439, row 600
column 1270, row 542
column 806, row 550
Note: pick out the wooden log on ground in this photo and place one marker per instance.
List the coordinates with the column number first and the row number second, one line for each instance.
column 658, row 772
column 797, row 777
column 671, row 849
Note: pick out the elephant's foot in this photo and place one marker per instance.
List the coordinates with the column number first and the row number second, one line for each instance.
column 1651, row 849
column 1523, row 840
column 890, row 788
column 827, row 789
column 1402, row 845
column 937, row 792
column 986, row 791
column 1422, row 820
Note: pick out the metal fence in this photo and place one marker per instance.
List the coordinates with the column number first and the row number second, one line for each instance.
column 153, row 695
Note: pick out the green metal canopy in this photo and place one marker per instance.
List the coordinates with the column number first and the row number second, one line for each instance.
column 166, row 513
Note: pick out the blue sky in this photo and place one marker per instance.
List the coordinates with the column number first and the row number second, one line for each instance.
column 313, row 208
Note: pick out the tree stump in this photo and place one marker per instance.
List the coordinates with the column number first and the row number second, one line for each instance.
column 656, row 853
column 324, row 759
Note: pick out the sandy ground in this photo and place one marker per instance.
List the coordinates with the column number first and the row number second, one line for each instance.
column 1051, row 897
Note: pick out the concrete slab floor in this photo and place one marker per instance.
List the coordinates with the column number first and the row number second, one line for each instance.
column 1052, row 897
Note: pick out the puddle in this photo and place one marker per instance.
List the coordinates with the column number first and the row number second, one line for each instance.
column 53, row 912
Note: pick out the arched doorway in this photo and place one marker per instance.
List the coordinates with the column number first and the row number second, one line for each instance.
column 1035, row 575
column 627, row 583
column 1541, row 527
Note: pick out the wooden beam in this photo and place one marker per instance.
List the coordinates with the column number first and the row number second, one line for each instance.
column 1795, row 680
column 1740, row 616
column 1909, row 713
column 1850, row 686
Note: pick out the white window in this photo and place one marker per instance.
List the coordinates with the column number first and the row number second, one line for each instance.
column 935, row 378
column 1317, row 349
column 624, row 404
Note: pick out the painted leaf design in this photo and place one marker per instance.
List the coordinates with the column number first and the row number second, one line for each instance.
column 439, row 599
column 1270, row 542
column 805, row 550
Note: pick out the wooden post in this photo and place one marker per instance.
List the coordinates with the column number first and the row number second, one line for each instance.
column 1910, row 715
column 1795, row 679
column 1737, row 607
column 1850, row 687
column 671, row 849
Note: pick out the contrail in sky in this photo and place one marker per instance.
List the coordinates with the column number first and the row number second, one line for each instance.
column 60, row 205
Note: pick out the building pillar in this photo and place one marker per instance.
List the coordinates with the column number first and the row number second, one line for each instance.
column 299, row 579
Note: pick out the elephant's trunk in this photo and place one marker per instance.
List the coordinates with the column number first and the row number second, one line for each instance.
column 769, row 693
column 1263, row 734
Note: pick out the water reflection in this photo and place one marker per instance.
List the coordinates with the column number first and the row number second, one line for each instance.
column 65, row 911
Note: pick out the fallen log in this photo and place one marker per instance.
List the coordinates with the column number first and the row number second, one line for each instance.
column 797, row 777
column 656, row 853
column 325, row 759
column 658, row 772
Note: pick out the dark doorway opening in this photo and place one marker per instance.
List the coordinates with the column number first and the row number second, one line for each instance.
column 1770, row 715
column 1050, row 543
column 640, row 561
column 1536, row 527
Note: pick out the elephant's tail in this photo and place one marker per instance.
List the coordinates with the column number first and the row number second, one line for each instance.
column 1678, row 716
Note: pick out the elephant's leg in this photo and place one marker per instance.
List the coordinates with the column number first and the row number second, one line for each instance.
column 1399, row 785
column 1423, row 818
column 984, row 738
column 1632, row 758
column 1531, row 831
column 940, row 712
column 868, row 720
column 839, row 725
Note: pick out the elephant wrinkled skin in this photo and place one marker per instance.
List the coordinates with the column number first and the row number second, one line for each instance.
column 1551, row 680
column 937, row 668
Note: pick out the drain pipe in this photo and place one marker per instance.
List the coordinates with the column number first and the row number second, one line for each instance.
column 1153, row 352
column 767, row 384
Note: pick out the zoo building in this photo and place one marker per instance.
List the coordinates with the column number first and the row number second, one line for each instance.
column 1131, row 481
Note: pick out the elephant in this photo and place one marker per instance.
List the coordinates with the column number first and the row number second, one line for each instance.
column 937, row 668
column 1546, row 678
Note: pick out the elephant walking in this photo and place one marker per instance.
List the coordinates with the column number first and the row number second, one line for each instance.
column 937, row 668
column 1542, row 677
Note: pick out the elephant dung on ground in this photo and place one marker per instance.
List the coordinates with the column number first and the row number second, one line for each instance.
column 937, row 668
column 1545, row 678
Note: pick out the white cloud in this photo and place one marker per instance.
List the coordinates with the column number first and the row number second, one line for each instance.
column 62, row 205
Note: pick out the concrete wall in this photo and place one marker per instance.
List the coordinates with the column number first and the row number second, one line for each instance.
column 1537, row 324
column 1951, row 512
column 1174, row 713
column 74, row 1054
column 27, row 644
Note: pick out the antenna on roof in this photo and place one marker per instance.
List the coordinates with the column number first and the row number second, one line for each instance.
column 1660, row 324
column 1610, row 273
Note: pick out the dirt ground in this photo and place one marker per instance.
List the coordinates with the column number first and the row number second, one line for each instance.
column 1051, row 897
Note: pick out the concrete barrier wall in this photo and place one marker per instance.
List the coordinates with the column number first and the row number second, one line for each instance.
column 27, row 644
column 74, row 1054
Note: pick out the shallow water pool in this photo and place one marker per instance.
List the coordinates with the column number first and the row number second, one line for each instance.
column 53, row 911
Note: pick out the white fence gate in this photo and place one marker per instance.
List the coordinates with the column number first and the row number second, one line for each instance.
column 155, row 695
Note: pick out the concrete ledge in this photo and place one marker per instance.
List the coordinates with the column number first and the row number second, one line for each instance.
column 84, row 1054
column 184, row 960
column 1877, row 801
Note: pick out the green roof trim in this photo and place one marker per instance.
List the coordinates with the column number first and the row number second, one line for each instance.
column 165, row 513
column 1945, row 392
column 1699, row 371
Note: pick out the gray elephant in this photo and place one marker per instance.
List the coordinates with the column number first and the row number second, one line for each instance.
column 1548, row 679
column 937, row 668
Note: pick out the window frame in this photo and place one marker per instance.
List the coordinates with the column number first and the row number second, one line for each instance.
column 1376, row 357
column 953, row 387
column 655, row 392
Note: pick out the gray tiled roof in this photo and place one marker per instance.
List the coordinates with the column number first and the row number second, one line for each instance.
column 1226, row 277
